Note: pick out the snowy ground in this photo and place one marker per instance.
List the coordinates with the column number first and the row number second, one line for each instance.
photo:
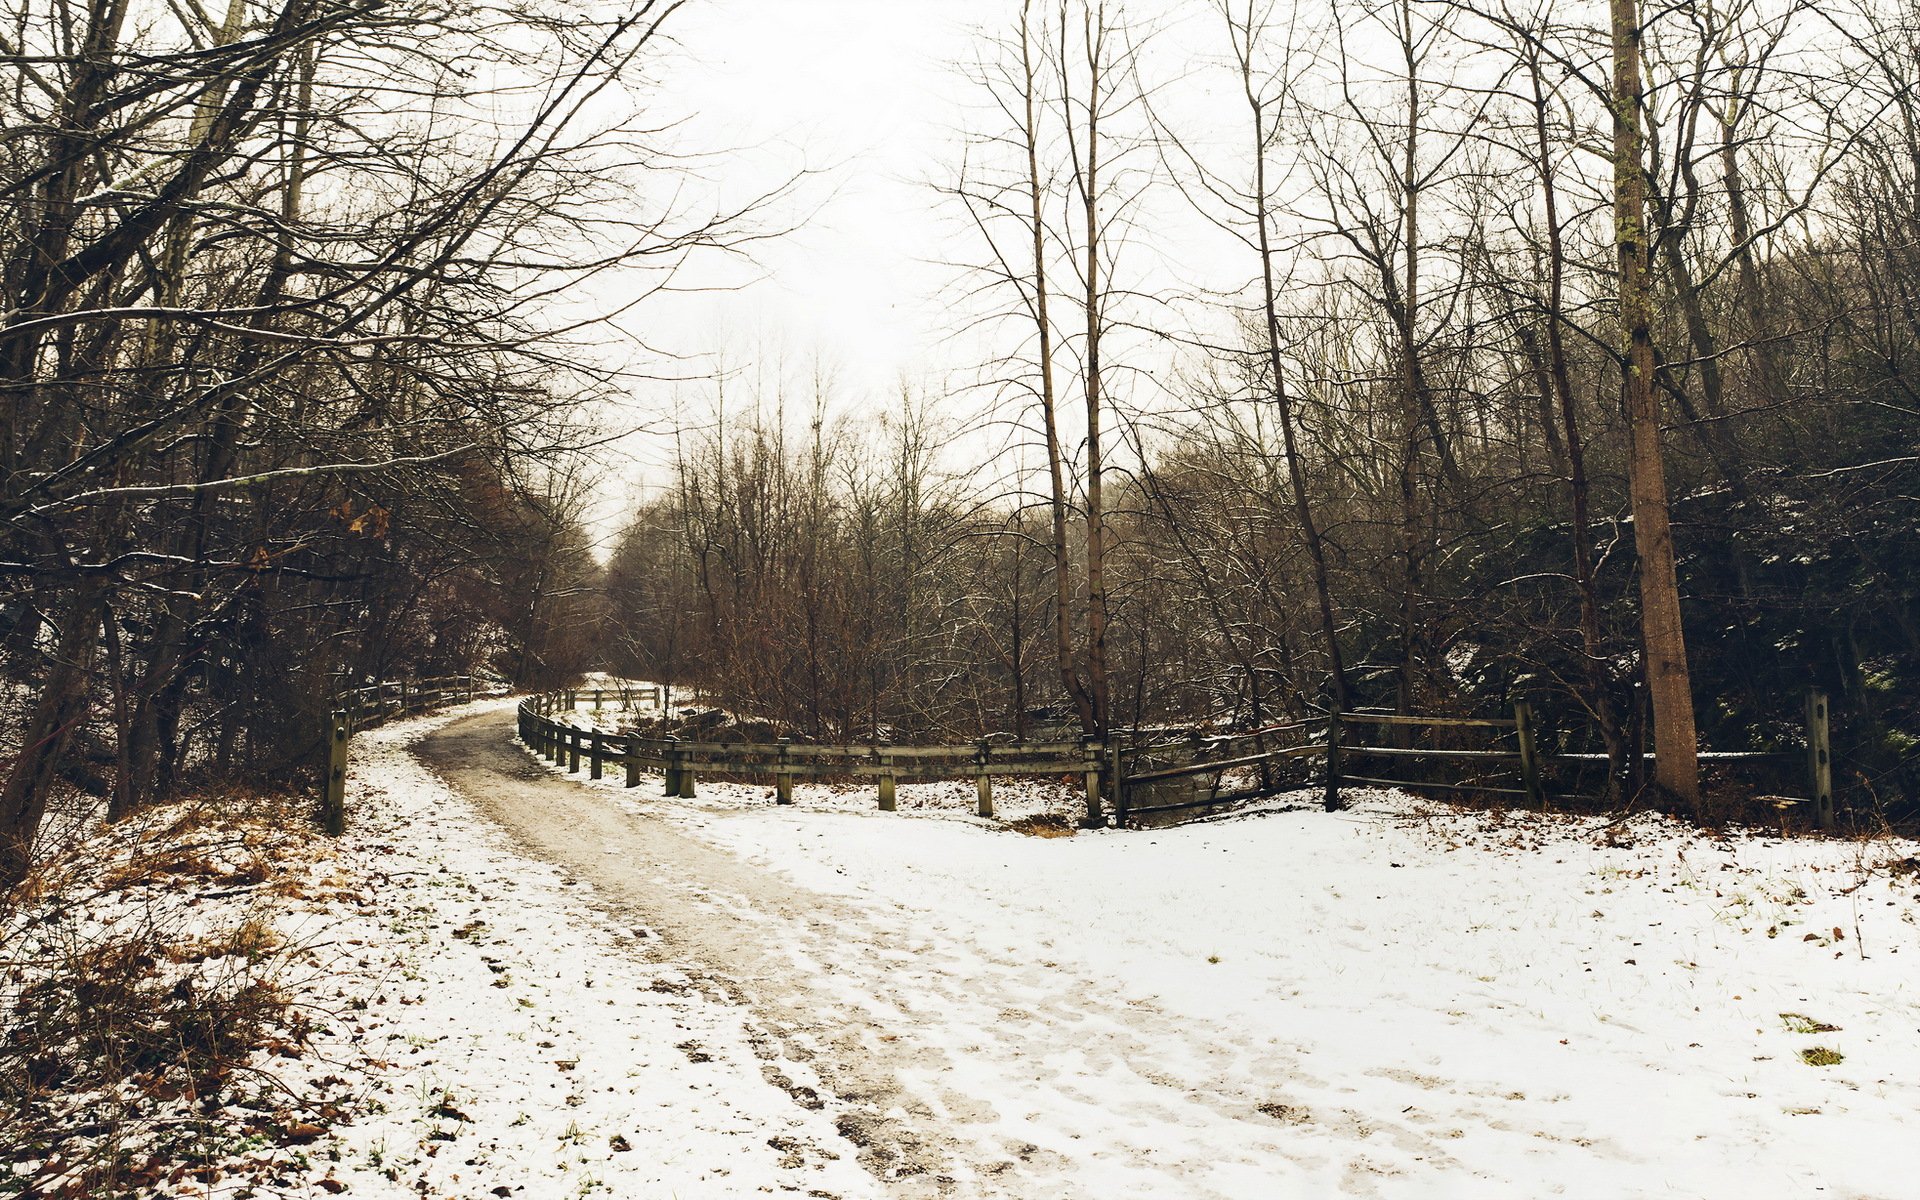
column 518, row 1042
column 524, row 985
column 1399, row 1000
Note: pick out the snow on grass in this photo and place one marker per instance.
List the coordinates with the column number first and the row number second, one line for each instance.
column 518, row 1042
column 140, row 971
column 1402, row 999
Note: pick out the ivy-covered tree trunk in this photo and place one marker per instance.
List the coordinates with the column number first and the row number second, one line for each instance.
column 1669, row 686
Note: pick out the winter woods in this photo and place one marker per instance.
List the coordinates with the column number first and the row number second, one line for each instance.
column 281, row 403
column 1413, row 355
column 1423, row 356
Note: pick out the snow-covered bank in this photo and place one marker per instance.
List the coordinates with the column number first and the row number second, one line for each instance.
column 1399, row 1000
column 720, row 998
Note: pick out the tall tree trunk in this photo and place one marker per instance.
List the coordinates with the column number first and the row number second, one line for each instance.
column 1283, row 397
column 1677, row 763
column 1558, row 379
column 1099, row 687
column 1070, row 678
column 1016, row 631
column 61, row 706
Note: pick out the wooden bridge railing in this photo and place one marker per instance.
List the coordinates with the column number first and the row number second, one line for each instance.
column 377, row 702
column 1384, row 750
column 547, row 727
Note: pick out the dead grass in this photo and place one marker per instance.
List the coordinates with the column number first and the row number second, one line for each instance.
column 1044, row 825
column 141, row 981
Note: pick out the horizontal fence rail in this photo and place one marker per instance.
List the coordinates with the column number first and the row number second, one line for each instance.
column 377, row 702
column 548, row 726
column 1495, row 756
column 374, row 704
column 1162, row 773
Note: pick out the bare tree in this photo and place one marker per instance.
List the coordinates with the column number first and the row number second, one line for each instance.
column 269, row 276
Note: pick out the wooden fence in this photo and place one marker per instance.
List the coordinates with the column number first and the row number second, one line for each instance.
column 375, row 704
column 368, row 706
column 547, row 727
column 1151, row 777
column 1187, row 771
column 1498, row 756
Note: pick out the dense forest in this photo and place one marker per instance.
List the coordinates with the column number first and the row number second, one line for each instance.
column 1514, row 284
column 287, row 403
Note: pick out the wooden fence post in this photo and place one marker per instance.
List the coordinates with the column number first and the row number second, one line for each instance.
column 887, row 801
column 1091, row 753
column 782, row 779
column 1637, row 739
column 686, row 776
column 984, row 785
column 595, row 755
column 1819, row 757
column 573, row 750
column 670, row 781
column 1529, row 760
column 1333, row 760
column 333, row 803
column 633, row 762
column 1119, row 784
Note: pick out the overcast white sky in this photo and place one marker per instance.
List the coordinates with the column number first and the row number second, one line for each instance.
column 873, row 96
column 862, row 92
column 863, row 95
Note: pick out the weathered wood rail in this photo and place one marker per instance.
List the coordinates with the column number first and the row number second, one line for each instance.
column 548, row 726
column 1383, row 750
column 1497, row 756
column 376, row 704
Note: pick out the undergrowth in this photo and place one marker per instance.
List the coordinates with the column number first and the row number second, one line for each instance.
column 141, row 982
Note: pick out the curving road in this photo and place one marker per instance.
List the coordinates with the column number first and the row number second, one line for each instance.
column 995, row 1080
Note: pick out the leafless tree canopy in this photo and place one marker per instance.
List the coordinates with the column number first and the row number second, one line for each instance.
column 1569, row 355
column 283, row 394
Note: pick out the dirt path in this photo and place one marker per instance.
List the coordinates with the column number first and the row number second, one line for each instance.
column 719, row 917
column 992, row 1084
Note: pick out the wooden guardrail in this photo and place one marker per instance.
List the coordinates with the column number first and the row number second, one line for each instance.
column 375, row 704
column 1349, row 749
column 548, row 727
column 1522, row 760
column 1168, row 772
column 1167, row 775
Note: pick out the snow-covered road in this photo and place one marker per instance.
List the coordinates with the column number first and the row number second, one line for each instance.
column 1395, row 1001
